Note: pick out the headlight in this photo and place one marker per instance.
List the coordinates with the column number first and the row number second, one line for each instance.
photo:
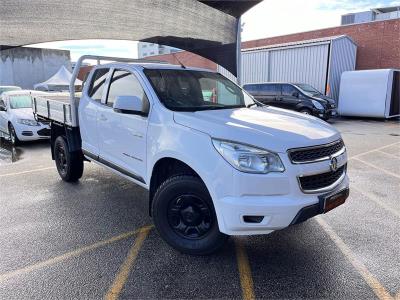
column 249, row 159
column 28, row 122
column 317, row 105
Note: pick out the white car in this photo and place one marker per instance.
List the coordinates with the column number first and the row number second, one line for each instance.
column 8, row 88
column 17, row 119
column 214, row 166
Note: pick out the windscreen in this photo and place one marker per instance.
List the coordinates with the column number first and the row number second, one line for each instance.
column 308, row 89
column 23, row 101
column 188, row 90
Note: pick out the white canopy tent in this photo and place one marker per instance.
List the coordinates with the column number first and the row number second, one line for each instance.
column 58, row 82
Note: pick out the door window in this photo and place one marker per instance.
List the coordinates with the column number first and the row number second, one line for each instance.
column 2, row 103
column 288, row 90
column 98, row 83
column 124, row 83
column 270, row 89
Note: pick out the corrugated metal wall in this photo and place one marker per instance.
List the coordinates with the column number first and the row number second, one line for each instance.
column 343, row 58
column 306, row 64
column 317, row 63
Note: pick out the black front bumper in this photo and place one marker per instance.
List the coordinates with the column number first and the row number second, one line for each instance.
column 316, row 209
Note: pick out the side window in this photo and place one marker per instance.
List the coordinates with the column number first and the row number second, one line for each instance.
column 2, row 103
column 97, row 85
column 288, row 90
column 253, row 89
column 270, row 89
column 124, row 83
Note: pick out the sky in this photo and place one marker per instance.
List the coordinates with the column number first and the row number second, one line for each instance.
column 267, row 19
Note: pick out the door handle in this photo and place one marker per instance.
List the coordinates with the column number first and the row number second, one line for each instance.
column 102, row 118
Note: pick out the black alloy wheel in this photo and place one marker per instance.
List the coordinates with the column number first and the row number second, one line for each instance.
column 61, row 158
column 190, row 216
column 69, row 164
column 184, row 216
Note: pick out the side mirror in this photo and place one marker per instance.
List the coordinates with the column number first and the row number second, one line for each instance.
column 296, row 94
column 129, row 105
column 3, row 108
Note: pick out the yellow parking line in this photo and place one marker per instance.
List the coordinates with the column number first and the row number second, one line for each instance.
column 26, row 172
column 375, row 285
column 377, row 201
column 373, row 150
column 124, row 270
column 65, row 256
column 246, row 279
column 378, row 168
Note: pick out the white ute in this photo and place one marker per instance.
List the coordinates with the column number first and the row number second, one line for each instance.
column 215, row 162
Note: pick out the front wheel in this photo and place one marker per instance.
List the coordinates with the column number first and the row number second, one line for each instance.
column 184, row 216
column 13, row 135
column 69, row 164
column 305, row 111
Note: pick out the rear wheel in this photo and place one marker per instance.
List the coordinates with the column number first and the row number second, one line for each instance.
column 184, row 216
column 13, row 135
column 69, row 164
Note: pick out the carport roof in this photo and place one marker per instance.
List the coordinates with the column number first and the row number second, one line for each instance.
column 205, row 27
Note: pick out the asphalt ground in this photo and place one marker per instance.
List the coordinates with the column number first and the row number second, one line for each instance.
column 94, row 239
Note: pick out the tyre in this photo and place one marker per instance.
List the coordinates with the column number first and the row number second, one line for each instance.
column 13, row 135
column 69, row 164
column 184, row 216
column 305, row 111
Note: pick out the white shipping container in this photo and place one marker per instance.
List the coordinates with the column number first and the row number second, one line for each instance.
column 370, row 93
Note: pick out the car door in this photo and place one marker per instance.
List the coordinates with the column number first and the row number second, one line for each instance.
column 264, row 93
column 272, row 94
column 3, row 114
column 289, row 97
column 88, row 110
column 123, row 136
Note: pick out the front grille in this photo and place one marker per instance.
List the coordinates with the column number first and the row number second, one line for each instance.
column 44, row 132
column 320, row 181
column 310, row 154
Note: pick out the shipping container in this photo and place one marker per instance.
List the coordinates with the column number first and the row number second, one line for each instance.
column 318, row 62
column 370, row 93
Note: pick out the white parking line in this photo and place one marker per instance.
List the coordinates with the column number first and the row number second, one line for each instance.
column 370, row 279
column 375, row 199
column 27, row 172
column 378, row 168
column 373, row 150
column 388, row 154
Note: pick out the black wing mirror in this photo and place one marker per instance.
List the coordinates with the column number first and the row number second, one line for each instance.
column 296, row 94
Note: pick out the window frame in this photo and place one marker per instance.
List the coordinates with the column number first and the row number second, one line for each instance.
column 91, row 81
column 138, row 78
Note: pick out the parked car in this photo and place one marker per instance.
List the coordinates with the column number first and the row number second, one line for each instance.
column 8, row 88
column 213, row 167
column 294, row 96
column 17, row 119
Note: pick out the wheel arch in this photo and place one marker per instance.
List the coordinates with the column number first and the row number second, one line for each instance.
column 165, row 168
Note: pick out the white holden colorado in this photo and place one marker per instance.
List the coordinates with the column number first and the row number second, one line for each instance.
column 215, row 161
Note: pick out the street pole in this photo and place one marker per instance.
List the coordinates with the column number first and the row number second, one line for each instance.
column 239, row 52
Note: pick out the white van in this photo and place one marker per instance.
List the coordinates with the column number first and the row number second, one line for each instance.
column 214, row 166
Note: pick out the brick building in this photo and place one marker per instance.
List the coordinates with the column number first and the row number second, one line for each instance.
column 378, row 45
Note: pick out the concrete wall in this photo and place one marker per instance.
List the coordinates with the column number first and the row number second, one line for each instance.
column 25, row 66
